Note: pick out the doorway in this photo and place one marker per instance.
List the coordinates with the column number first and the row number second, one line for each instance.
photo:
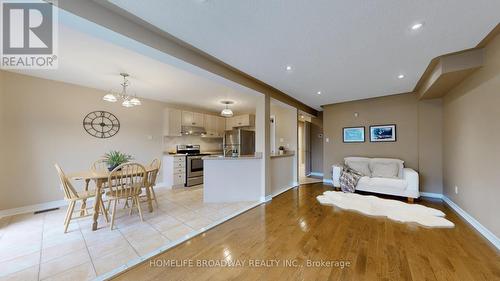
column 308, row 151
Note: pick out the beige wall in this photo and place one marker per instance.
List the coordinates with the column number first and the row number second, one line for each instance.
column 43, row 126
column 286, row 126
column 430, row 145
column 286, row 135
column 471, row 154
column 404, row 110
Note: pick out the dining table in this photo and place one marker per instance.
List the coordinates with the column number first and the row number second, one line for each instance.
column 100, row 177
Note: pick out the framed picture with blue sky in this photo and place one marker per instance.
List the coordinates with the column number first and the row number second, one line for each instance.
column 353, row 134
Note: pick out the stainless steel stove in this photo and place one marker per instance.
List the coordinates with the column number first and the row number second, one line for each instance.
column 194, row 163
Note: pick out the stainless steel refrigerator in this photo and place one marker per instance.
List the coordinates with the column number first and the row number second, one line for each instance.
column 239, row 140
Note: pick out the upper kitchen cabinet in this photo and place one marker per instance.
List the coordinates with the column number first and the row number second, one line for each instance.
column 192, row 119
column 246, row 120
column 214, row 126
column 229, row 124
column 172, row 121
column 220, row 125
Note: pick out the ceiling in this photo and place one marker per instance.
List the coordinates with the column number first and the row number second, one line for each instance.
column 348, row 50
column 89, row 61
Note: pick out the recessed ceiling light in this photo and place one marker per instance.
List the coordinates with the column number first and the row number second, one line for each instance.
column 289, row 68
column 319, row 92
column 401, row 76
column 416, row 26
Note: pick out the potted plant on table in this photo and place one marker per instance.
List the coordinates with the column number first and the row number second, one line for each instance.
column 116, row 158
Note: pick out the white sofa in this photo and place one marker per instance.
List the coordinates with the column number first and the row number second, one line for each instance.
column 405, row 183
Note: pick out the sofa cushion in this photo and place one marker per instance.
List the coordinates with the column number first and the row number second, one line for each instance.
column 386, row 168
column 382, row 185
column 359, row 164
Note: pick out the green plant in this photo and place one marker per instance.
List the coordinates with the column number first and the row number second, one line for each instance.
column 116, row 158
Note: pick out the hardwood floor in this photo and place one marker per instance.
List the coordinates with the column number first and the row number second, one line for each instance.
column 295, row 227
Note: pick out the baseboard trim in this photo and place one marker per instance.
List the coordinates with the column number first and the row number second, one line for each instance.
column 33, row 208
column 328, row 181
column 316, row 174
column 472, row 221
column 282, row 190
column 265, row 199
column 432, row 195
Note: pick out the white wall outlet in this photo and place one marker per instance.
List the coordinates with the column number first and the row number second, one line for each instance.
column 149, row 137
column 456, row 189
column 327, row 139
column 282, row 139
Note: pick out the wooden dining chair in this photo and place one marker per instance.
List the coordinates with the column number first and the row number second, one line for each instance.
column 126, row 181
column 99, row 165
column 73, row 196
column 151, row 179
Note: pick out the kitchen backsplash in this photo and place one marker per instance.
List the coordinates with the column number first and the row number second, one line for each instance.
column 206, row 144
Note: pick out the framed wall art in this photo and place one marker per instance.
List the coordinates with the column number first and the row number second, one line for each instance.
column 383, row 133
column 353, row 134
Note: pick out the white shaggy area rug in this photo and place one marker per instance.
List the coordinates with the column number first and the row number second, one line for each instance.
column 393, row 209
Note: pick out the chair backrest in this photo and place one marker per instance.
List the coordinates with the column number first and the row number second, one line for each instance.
column 153, row 174
column 156, row 163
column 99, row 165
column 66, row 186
column 127, row 180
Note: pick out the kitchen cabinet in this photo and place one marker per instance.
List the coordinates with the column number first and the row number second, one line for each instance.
column 214, row 126
column 229, row 124
column 172, row 122
column 174, row 170
column 210, row 123
column 192, row 119
column 220, row 126
column 246, row 120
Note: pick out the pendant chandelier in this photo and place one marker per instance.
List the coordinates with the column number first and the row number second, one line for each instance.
column 226, row 112
column 127, row 100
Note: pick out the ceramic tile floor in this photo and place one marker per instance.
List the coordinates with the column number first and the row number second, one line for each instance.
column 34, row 247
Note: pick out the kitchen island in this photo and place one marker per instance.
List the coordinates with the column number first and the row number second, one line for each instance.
column 232, row 179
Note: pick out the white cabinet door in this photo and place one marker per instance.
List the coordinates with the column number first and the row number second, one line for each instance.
column 172, row 122
column 198, row 119
column 246, row 120
column 192, row 119
column 220, row 126
column 229, row 123
column 211, row 126
column 187, row 118
column 210, row 123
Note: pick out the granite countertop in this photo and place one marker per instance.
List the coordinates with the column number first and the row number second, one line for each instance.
column 257, row 155
column 287, row 154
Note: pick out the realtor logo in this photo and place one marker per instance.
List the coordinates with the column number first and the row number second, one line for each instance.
column 29, row 33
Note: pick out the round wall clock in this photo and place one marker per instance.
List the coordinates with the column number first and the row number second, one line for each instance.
column 101, row 124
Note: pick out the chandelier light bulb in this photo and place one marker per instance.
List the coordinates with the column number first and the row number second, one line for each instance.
column 127, row 103
column 110, row 98
column 135, row 101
